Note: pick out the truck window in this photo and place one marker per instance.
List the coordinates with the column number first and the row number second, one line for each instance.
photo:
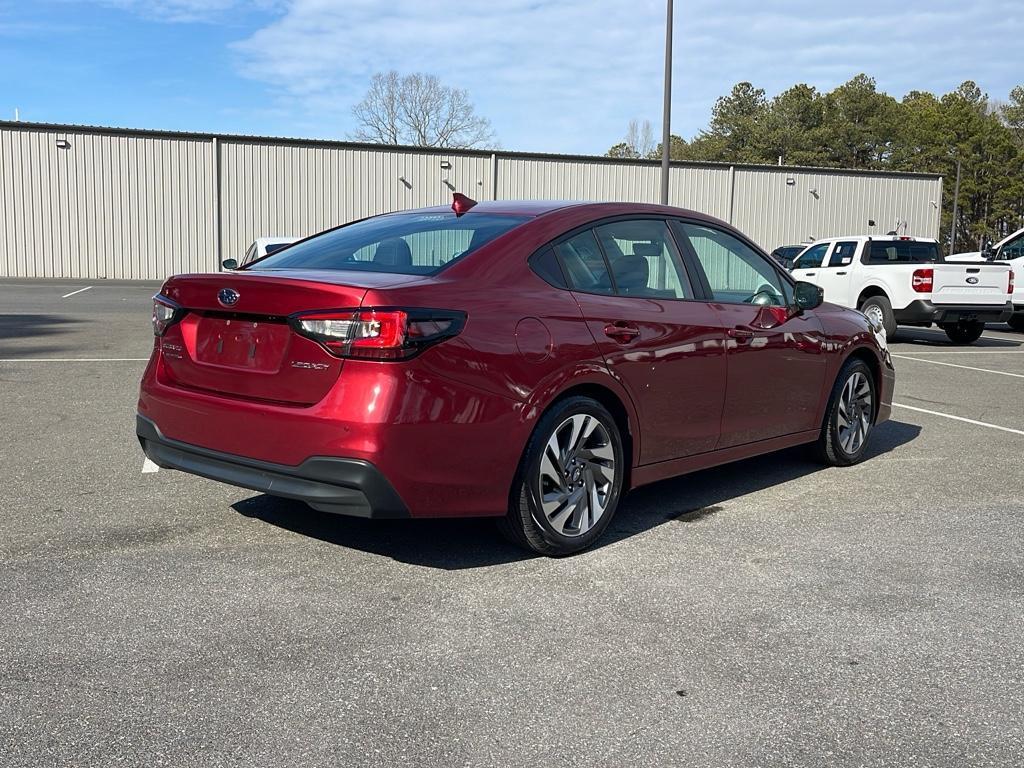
column 901, row 252
column 842, row 254
column 1013, row 249
column 811, row 258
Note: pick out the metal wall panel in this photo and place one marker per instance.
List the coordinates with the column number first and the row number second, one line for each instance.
column 108, row 206
column 551, row 179
column 143, row 205
column 772, row 212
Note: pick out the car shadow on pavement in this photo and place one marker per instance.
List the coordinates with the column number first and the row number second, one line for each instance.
column 934, row 337
column 455, row 544
column 26, row 326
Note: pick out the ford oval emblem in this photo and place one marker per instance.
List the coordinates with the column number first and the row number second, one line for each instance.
column 228, row 297
column 972, row 280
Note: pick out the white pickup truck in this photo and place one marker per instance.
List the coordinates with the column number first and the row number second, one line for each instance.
column 904, row 281
column 1009, row 250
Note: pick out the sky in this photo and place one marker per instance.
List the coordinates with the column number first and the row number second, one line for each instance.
column 560, row 76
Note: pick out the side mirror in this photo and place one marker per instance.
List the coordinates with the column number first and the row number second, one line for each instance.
column 808, row 295
column 230, row 263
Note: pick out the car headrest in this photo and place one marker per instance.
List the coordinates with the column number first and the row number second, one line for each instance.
column 631, row 273
column 393, row 252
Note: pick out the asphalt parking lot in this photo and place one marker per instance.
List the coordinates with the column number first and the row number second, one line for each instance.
column 772, row 612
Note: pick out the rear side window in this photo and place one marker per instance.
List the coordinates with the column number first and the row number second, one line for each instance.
column 545, row 264
column 901, row 252
column 842, row 254
column 584, row 263
column 644, row 260
column 405, row 243
column 1013, row 249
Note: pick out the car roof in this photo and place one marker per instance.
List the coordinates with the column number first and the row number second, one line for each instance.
column 533, row 208
column 875, row 238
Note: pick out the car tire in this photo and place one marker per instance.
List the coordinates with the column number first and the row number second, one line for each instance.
column 1016, row 322
column 964, row 333
column 879, row 309
column 569, row 481
column 849, row 417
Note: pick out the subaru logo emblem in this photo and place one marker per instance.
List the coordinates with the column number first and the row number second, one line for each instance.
column 972, row 280
column 228, row 297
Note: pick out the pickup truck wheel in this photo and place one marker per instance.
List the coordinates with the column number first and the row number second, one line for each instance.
column 569, row 481
column 849, row 417
column 879, row 312
column 964, row 333
column 1017, row 322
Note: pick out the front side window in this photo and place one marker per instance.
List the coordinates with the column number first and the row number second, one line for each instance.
column 405, row 243
column 842, row 254
column 735, row 272
column 811, row 258
column 1013, row 249
column 644, row 260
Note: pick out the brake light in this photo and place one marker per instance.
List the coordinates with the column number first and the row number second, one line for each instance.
column 1009, row 288
column 165, row 314
column 923, row 280
column 378, row 334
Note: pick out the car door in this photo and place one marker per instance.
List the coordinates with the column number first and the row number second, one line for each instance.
column 834, row 274
column 775, row 360
column 807, row 265
column 657, row 338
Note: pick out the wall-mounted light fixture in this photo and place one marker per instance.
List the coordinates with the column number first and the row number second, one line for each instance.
column 934, row 204
column 445, row 165
column 814, row 192
column 448, row 184
column 405, row 181
column 790, row 181
column 63, row 144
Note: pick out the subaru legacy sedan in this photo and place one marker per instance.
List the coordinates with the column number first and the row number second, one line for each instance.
column 528, row 361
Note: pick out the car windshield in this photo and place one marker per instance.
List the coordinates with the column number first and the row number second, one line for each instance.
column 903, row 252
column 404, row 243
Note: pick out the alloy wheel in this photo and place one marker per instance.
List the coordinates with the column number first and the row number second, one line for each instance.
column 856, row 409
column 576, row 476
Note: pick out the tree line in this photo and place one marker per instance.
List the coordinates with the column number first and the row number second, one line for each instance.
column 857, row 126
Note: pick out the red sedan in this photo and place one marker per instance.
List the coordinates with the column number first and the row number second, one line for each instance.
column 530, row 361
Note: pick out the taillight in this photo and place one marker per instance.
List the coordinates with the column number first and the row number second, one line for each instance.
column 1009, row 288
column 378, row 334
column 923, row 280
column 165, row 314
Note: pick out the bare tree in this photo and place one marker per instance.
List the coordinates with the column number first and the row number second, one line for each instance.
column 639, row 141
column 418, row 109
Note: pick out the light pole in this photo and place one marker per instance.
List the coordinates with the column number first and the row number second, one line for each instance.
column 665, row 126
column 956, row 206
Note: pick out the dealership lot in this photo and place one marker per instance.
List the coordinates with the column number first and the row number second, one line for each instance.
column 769, row 612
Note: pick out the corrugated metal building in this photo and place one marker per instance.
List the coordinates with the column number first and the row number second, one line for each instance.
column 82, row 202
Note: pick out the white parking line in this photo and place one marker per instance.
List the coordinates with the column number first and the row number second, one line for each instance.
column 925, row 351
column 78, row 291
column 73, row 359
column 960, row 418
column 965, row 367
column 148, row 467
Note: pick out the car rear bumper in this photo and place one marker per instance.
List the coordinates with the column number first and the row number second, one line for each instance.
column 329, row 484
column 924, row 312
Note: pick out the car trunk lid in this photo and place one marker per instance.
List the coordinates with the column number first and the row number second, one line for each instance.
column 234, row 339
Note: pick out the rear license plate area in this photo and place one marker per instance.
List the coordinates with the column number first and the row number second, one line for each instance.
column 253, row 345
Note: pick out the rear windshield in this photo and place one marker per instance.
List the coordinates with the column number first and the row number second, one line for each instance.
column 404, row 243
column 902, row 252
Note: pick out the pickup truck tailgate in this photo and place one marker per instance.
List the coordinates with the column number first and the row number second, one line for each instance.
column 971, row 283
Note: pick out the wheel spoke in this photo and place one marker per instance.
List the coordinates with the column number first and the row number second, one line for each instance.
column 576, row 475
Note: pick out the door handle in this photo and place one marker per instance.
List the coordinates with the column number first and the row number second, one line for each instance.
column 621, row 332
column 840, row 273
column 739, row 332
column 810, row 274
